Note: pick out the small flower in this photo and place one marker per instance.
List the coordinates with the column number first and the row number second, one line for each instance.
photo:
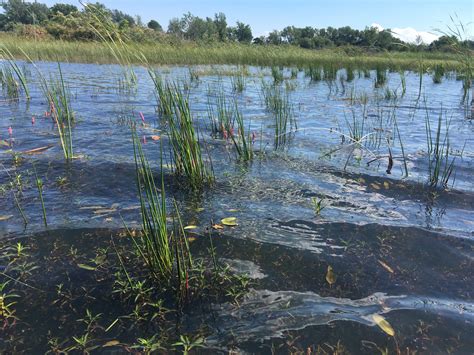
column 10, row 131
column 142, row 117
column 144, row 139
column 33, row 120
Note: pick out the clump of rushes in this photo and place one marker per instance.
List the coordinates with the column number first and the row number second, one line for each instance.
column 164, row 99
column 314, row 73
column 163, row 248
column 278, row 103
column 330, row 72
column 57, row 95
column 380, row 77
column 6, row 54
column 164, row 252
column 438, row 73
column 440, row 159
column 187, row 155
column 243, row 141
column 238, row 82
column 277, row 75
column 10, row 86
column 221, row 115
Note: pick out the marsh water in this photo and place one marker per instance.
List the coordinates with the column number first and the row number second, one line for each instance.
column 398, row 247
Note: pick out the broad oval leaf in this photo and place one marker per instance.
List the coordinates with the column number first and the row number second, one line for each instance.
column 229, row 221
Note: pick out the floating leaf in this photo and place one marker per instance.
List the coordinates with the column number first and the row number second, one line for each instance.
column 330, row 277
column 386, row 185
column 383, row 324
column 386, row 267
column 86, row 267
column 155, row 138
column 191, row 239
column 200, row 209
column 217, row 226
column 192, row 226
column 233, row 210
column 4, row 218
column 105, row 211
column 111, row 343
column 375, row 186
column 229, row 221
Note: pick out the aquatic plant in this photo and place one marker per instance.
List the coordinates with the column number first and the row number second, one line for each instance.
column 277, row 101
column 380, row 76
column 165, row 253
column 57, row 95
column 6, row 76
column 277, row 75
column 39, row 185
column 220, row 113
column 438, row 73
column 238, row 82
column 187, row 155
column 243, row 139
column 440, row 159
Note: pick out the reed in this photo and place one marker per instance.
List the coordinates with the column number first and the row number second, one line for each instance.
column 220, row 113
column 243, row 141
column 277, row 75
column 58, row 95
column 162, row 250
column 380, row 77
column 187, row 155
column 278, row 103
column 238, row 82
column 20, row 74
column 438, row 73
column 440, row 160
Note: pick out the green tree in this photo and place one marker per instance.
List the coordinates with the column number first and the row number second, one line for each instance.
column 18, row 11
column 155, row 26
column 243, row 33
column 221, row 26
column 65, row 9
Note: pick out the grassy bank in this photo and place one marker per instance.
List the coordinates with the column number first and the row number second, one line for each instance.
column 192, row 53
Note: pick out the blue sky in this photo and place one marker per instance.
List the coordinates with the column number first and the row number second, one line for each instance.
column 267, row 15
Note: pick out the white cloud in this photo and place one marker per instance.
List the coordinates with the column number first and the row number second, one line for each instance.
column 409, row 34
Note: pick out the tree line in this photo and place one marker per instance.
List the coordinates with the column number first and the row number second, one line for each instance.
column 67, row 22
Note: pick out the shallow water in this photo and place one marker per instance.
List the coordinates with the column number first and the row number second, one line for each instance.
column 398, row 247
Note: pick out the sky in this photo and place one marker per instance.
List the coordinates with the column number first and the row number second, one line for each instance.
column 408, row 18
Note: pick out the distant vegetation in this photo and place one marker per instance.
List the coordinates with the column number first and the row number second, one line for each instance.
column 37, row 21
